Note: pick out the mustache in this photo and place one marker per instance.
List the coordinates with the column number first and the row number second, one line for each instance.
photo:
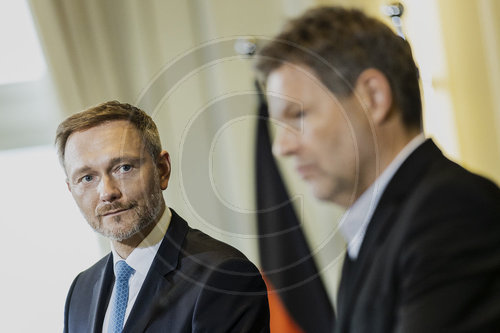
column 116, row 206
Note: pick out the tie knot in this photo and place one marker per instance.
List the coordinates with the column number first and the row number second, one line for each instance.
column 122, row 270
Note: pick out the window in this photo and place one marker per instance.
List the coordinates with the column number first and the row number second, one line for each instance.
column 21, row 58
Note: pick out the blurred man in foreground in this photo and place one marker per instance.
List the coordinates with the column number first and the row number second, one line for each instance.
column 161, row 276
column 423, row 233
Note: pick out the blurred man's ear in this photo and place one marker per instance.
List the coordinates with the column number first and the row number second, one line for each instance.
column 164, row 169
column 374, row 90
column 67, row 185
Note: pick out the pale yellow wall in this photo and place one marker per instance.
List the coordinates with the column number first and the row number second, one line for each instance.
column 472, row 42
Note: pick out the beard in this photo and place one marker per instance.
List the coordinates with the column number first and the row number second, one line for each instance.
column 143, row 215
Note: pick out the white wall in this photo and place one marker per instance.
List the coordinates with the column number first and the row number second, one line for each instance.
column 45, row 241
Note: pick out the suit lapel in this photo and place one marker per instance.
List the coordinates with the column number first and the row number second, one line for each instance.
column 156, row 287
column 380, row 225
column 100, row 296
column 353, row 271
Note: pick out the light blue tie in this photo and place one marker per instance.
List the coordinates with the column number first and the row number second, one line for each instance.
column 120, row 298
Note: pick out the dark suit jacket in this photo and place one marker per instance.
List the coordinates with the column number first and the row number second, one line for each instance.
column 430, row 259
column 195, row 284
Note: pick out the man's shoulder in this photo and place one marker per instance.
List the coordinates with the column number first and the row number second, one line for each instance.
column 202, row 255
column 196, row 243
column 205, row 247
column 210, row 262
column 443, row 197
column 447, row 179
column 449, row 199
column 438, row 178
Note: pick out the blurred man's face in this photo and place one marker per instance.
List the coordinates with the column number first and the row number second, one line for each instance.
column 113, row 179
column 326, row 136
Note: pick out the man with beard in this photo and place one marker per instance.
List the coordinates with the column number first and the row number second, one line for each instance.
column 423, row 234
column 161, row 275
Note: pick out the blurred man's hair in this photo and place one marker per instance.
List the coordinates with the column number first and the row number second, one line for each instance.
column 338, row 44
column 106, row 112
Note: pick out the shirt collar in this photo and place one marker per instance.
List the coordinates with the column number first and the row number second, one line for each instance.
column 356, row 219
column 142, row 256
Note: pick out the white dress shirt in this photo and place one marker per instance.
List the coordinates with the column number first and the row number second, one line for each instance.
column 357, row 218
column 140, row 260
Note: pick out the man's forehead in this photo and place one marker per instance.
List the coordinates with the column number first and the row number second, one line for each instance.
column 290, row 87
column 110, row 130
column 113, row 139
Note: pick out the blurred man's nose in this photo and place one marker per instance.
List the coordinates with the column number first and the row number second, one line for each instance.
column 108, row 189
column 286, row 141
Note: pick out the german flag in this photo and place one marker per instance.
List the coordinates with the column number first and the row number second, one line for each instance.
column 297, row 297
